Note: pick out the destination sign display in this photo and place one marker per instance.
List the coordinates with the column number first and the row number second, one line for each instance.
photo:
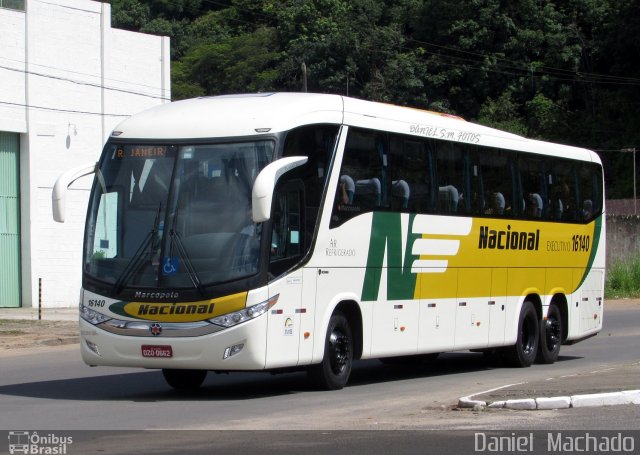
column 144, row 151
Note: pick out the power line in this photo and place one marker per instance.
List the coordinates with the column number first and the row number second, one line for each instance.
column 523, row 66
column 22, row 62
column 53, row 109
column 89, row 84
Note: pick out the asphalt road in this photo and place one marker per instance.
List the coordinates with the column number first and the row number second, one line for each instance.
column 52, row 389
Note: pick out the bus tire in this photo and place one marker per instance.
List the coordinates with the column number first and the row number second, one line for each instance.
column 550, row 336
column 184, row 379
column 334, row 370
column 523, row 353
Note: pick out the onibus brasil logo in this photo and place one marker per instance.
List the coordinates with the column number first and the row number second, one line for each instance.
column 30, row 442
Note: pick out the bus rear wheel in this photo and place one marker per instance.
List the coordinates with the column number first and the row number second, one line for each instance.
column 334, row 370
column 523, row 353
column 550, row 336
column 184, row 379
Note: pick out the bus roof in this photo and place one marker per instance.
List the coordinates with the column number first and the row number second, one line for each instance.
column 260, row 113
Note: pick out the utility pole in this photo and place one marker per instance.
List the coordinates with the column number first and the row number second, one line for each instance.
column 304, row 77
column 635, row 199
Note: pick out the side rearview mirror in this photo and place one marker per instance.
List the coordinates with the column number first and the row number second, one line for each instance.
column 265, row 183
column 59, row 194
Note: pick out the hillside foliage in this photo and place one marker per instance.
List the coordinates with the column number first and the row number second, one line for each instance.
column 565, row 71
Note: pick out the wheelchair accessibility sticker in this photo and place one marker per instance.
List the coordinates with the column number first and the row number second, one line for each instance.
column 169, row 265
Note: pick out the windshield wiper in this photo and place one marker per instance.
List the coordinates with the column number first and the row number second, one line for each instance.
column 138, row 258
column 193, row 274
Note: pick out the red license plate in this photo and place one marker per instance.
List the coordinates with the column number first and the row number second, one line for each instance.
column 157, row 351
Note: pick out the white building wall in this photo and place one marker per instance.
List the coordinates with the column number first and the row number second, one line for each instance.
column 12, row 66
column 80, row 78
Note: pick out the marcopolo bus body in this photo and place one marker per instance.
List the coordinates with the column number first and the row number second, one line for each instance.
column 278, row 231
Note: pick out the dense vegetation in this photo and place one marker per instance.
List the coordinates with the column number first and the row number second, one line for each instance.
column 623, row 278
column 567, row 71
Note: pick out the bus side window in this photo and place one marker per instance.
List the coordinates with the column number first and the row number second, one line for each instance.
column 477, row 199
column 498, row 187
column 362, row 185
column 564, row 195
column 287, row 233
column 590, row 198
column 450, row 168
column 412, row 179
column 534, row 189
column 316, row 142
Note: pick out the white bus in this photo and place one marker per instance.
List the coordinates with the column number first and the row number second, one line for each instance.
column 284, row 231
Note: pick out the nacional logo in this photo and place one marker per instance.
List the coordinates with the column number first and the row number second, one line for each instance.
column 179, row 311
column 166, row 312
column 508, row 240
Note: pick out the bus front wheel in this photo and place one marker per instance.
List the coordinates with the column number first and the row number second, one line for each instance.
column 184, row 379
column 523, row 353
column 334, row 370
column 550, row 336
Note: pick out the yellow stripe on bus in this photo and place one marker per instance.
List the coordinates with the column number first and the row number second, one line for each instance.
column 186, row 311
column 509, row 257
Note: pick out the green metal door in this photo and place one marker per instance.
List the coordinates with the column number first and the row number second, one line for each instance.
column 9, row 221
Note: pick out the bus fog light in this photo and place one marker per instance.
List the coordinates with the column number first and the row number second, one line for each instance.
column 232, row 350
column 93, row 347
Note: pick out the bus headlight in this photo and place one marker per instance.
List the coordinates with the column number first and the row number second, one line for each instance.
column 246, row 314
column 91, row 316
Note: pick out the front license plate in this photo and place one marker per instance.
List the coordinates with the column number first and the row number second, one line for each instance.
column 157, row 351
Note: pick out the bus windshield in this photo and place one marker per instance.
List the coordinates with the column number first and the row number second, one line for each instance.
column 174, row 216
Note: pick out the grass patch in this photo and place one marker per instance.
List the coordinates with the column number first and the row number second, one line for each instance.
column 623, row 279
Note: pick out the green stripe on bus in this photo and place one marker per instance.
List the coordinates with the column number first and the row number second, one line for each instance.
column 594, row 249
column 386, row 234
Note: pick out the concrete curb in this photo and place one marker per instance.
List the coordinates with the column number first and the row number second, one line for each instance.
column 545, row 403
column 468, row 401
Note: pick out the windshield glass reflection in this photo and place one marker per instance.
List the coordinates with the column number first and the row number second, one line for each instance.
column 174, row 217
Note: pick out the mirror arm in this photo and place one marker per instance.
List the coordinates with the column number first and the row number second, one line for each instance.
column 265, row 183
column 59, row 193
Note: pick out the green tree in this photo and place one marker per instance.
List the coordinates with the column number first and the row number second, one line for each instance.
column 236, row 64
column 503, row 113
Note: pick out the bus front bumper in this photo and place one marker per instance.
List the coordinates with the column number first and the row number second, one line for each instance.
column 241, row 347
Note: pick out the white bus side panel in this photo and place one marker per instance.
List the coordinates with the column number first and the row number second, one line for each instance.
column 283, row 335
column 396, row 324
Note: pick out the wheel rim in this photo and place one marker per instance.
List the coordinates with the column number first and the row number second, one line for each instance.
column 552, row 332
column 340, row 351
column 528, row 336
